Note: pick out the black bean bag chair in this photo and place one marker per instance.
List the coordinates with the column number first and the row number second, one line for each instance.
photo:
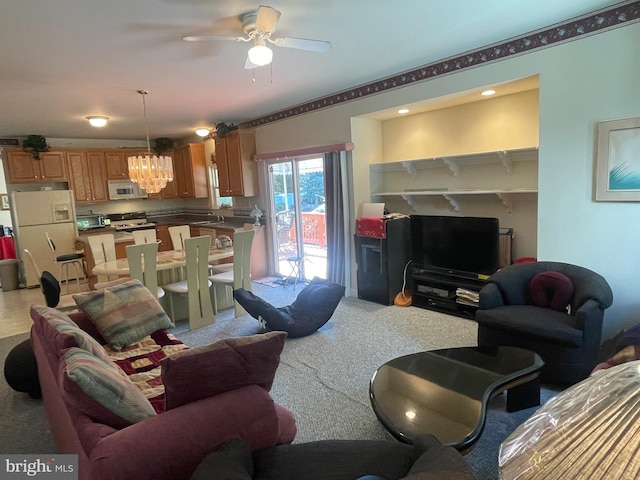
column 311, row 310
column 21, row 370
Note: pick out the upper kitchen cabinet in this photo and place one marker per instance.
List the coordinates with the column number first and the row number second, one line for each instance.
column 237, row 171
column 23, row 168
column 190, row 171
column 117, row 165
column 118, row 162
column 88, row 176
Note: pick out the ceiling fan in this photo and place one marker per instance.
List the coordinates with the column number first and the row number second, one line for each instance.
column 258, row 26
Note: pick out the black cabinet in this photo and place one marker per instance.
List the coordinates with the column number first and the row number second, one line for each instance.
column 445, row 293
column 381, row 262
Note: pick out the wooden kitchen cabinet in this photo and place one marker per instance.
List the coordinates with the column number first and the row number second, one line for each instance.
column 190, row 171
column 88, row 176
column 162, row 234
column 171, row 190
column 237, row 170
column 121, row 248
column 117, row 165
column 23, row 168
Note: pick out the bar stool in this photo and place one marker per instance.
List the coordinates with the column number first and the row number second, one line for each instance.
column 65, row 261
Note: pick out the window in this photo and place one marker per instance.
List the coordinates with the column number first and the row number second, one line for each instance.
column 216, row 201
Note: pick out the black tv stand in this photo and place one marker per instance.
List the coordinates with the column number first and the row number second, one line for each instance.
column 437, row 291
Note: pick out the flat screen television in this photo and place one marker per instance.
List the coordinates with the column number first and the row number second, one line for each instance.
column 464, row 246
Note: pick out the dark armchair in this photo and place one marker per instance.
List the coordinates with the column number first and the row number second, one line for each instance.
column 566, row 331
column 428, row 459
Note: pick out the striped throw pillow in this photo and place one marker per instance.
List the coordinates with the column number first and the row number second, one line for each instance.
column 101, row 391
column 66, row 333
column 124, row 313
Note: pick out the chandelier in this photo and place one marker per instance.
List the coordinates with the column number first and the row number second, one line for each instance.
column 150, row 171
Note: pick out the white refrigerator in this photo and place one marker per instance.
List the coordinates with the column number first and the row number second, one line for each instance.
column 34, row 214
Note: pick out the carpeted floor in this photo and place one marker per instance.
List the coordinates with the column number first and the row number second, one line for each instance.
column 23, row 425
column 323, row 378
column 273, row 282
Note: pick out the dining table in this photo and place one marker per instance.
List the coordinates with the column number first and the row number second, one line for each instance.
column 167, row 260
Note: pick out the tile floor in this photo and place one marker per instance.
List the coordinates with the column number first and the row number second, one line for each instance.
column 14, row 308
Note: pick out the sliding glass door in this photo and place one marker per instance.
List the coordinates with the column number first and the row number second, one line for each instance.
column 298, row 230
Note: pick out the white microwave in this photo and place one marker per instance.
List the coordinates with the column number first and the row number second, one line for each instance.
column 125, row 189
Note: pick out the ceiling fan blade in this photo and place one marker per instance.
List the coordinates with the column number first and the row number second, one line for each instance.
column 267, row 19
column 303, row 44
column 211, row 38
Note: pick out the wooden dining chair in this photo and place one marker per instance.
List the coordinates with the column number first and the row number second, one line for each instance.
column 240, row 276
column 197, row 287
column 142, row 266
column 179, row 234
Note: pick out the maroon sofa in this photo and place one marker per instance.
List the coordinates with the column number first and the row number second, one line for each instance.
column 167, row 446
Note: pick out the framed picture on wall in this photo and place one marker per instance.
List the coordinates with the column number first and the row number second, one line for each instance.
column 4, row 201
column 618, row 161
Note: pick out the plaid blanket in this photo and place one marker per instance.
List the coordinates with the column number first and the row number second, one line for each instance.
column 140, row 361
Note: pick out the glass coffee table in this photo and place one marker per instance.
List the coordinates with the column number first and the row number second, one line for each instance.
column 446, row 392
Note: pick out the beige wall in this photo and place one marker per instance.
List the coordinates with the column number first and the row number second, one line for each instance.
column 582, row 83
column 500, row 123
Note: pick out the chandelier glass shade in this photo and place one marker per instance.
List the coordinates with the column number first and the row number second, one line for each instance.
column 151, row 172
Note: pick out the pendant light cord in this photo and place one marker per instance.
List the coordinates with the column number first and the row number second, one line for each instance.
column 146, row 121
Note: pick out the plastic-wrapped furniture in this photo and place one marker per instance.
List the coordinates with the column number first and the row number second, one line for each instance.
column 522, row 306
column 337, row 460
column 590, row 430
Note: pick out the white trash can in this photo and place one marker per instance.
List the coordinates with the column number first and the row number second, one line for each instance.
column 9, row 274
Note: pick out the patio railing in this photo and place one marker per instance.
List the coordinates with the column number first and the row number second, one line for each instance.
column 314, row 230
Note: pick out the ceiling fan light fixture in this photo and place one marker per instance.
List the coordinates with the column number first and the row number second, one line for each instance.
column 260, row 54
column 202, row 132
column 97, row 121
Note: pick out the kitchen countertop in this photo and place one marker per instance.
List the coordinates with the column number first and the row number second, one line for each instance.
column 230, row 223
column 118, row 237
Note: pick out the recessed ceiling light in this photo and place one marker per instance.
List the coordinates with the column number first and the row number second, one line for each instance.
column 488, row 93
column 403, row 110
column 202, row 132
column 98, row 121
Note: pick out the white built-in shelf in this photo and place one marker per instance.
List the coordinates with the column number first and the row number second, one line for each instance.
column 456, row 165
column 455, row 162
column 504, row 195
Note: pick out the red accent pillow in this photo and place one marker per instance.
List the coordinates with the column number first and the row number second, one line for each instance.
column 551, row 290
column 222, row 366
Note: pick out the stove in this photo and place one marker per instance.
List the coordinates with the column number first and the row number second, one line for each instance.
column 128, row 222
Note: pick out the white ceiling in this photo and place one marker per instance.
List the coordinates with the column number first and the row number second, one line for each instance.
column 64, row 60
